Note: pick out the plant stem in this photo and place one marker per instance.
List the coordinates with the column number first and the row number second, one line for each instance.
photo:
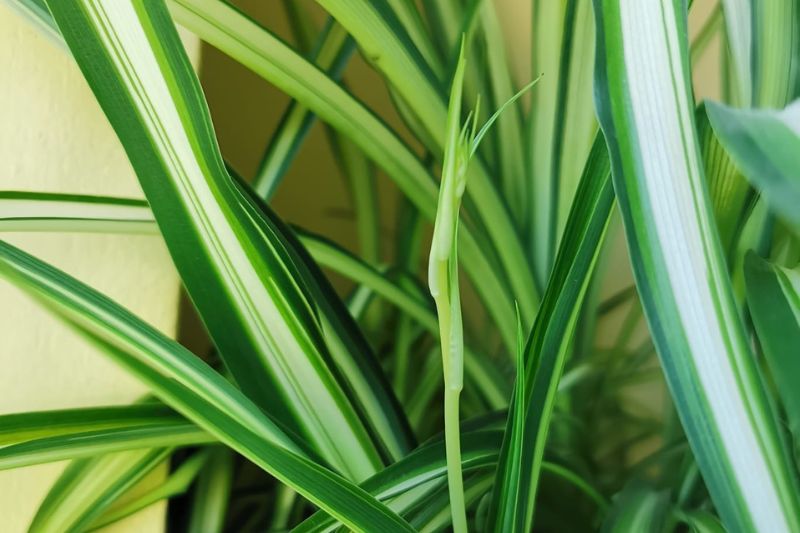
column 452, row 439
column 445, row 294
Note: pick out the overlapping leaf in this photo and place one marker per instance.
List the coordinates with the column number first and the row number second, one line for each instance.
column 238, row 271
column 765, row 146
column 193, row 389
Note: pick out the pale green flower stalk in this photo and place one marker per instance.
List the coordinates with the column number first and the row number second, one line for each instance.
column 443, row 282
column 461, row 144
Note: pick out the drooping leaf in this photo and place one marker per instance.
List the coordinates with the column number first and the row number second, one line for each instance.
column 223, row 26
column 94, row 443
column 765, row 146
column 192, row 388
column 34, row 211
column 19, row 427
column 425, row 468
column 407, row 295
column 239, row 274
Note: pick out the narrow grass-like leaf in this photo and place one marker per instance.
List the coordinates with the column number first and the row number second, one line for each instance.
column 88, row 487
column 19, row 427
column 739, row 25
column 403, row 293
column 773, row 295
column 765, row 146
column 730, row 194
column 388, row 48
column 776, row 52
column 444, row 19
column 561, row 134
column 175, row 484
column 576, row 124
column 410, row 19
column 93, row 443
column 701, row 522
column 507, row 479
column 363, row 193
column 212, row 493
column 561, row 124
column 354, row 165
column 764, row 53
column 35, row 211
column 550, row 339
column 510, row 154
column 434, row 515
column 428, row 465
column 678, row 264
column 194, row 389
column 411, row 299
column 224, row 27
column 331, row 54
column 361, row 376
column 114, row 213
column 240, row 278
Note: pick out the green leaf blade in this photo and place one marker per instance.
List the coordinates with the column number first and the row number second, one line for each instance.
column 765, row 146
column 678, row 265
column 240, row 278
column 194, row 389
column 773, row 294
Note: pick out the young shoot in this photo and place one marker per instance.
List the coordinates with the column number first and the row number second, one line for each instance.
column 462, row 142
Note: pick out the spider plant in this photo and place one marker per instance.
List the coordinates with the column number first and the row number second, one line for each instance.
column 386, row 408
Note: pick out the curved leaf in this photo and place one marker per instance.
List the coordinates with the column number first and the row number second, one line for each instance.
column 19, row 427
column 95, row 443
column 193, row 389
column 240, row 275
column 765, row 146
column 88, row 487
column 512, row 504
column 678, row 265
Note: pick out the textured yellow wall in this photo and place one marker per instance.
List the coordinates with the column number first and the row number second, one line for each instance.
column 54, row 137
